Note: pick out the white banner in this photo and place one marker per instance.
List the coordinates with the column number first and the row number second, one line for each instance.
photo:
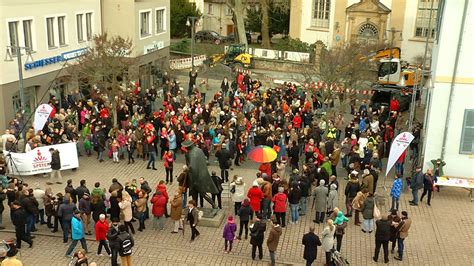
column 41, row 116
column 399, row 145
column 38, row 161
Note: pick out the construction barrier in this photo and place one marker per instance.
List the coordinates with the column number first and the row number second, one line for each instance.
column 184, row 63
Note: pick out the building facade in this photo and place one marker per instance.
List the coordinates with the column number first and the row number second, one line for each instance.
column 146, row 23
column 217, row 16
column 55, row 32
column 51, row 33
column 398, row 23
column 449, row 126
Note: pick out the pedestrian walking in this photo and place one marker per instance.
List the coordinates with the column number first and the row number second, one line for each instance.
column 112, row 237
column 101, row 229
column 351, row 190
column 428, row 186
column 18, row 217
column 368, row 213
column 328, row 239
column 320, row 195
column 158, row 210
column 77, row 233
column 382, row 236
column 218, row 183
column 176, row 211
column 279, row 205
column 66, row 212
column 229, row 234
column 257, row 234
column 341, row 223
column 273, row 239
column 126, row 244
column 55, row 175
column 244, row 214
column 294, row 198
column 396, row 192
column 311, row 242
column 192, row 218
column 403, row 228
column 416, row 184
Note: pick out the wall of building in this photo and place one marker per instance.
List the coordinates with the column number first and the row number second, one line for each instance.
column 38, row 79
column 411, row 46
column 216, row 19
column 457, row 164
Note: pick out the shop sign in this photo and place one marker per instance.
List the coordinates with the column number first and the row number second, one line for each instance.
column 153, row 47
column 55, row 59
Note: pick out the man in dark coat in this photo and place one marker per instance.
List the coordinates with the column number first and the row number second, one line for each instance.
column 18, row 216
column 55, row 167
column 311, row 242
column 82, row 189
column 257, row 234
column 200, row 181
column 218, row 182
column 223, row 157
column 416, row 184
column 382, row 236
column 112, row 237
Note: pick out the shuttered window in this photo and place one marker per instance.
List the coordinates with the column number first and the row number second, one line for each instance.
column 467, row 137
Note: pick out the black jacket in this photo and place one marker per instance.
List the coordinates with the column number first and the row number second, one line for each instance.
column 55, row 160
column 311, row 242
column 257, row 233
column 69, row 189
column 352, row 188
column 244, row 213
column 30, row 205
column 382, row 232
column 18, row 217
column 294, row 196
column 218, row 182
column 81, row 190
column 112, row 236
column 223, row 156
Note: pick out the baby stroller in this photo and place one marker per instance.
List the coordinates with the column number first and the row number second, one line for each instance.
column 338, row 259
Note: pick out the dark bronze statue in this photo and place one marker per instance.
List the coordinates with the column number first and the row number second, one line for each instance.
column 200, row 182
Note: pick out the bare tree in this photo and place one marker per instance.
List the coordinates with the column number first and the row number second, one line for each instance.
column 264, row 5
column 106, row 65
column 237, row 7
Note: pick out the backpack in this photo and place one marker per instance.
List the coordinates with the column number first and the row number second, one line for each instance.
column 126, row 244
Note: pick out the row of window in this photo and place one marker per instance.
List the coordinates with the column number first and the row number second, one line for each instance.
column 21, row 31
column 146, row 22
column 210, row 10
column 426, row 9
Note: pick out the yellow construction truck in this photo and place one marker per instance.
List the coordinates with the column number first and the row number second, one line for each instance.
column 235, row 57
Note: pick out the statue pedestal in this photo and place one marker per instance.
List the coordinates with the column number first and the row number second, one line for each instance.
column 211, row 217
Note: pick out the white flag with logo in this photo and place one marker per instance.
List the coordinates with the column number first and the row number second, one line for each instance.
column 399, row 145
column 41, row 116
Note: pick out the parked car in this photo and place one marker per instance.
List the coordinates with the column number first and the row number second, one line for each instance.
column 231, row 38
column 208, row 36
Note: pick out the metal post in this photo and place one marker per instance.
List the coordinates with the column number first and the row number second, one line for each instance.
column 413, row 102
column 20, row 77
column 192, row 44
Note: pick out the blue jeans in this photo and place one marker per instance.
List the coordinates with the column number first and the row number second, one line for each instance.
column 73, row 245
column 401, row 246
column 414, row 192
column 66, row 226
column 101, row 156
column 395, row 203
column 30, row 223
column 294, row 212
column 399, row 168
column 345, row 161
column 185, row 198
column 151, row 161
column 368, row 225
column 303, row 204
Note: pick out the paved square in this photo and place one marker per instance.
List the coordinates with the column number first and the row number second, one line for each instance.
column 440, row 235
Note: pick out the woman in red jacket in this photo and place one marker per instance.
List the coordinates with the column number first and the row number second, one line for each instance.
column 279, row 206
column 255, row 196
column 158, row 210
column 101, row 229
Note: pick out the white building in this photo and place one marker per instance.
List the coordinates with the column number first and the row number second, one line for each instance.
column 57, row 31
column 449, row 128
column 54, row 31
column 401, row 23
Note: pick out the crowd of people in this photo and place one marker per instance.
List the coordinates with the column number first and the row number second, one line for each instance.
column 312, row 149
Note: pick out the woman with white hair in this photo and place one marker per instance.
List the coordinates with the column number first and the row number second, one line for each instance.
column 101, row 229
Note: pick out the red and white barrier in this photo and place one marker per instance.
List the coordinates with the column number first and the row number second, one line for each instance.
column 183, row 63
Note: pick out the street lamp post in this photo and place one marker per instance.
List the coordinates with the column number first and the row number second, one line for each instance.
column 191, row 21
column 17, row 50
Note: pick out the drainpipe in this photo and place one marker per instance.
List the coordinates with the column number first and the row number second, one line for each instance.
column 453, row 79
